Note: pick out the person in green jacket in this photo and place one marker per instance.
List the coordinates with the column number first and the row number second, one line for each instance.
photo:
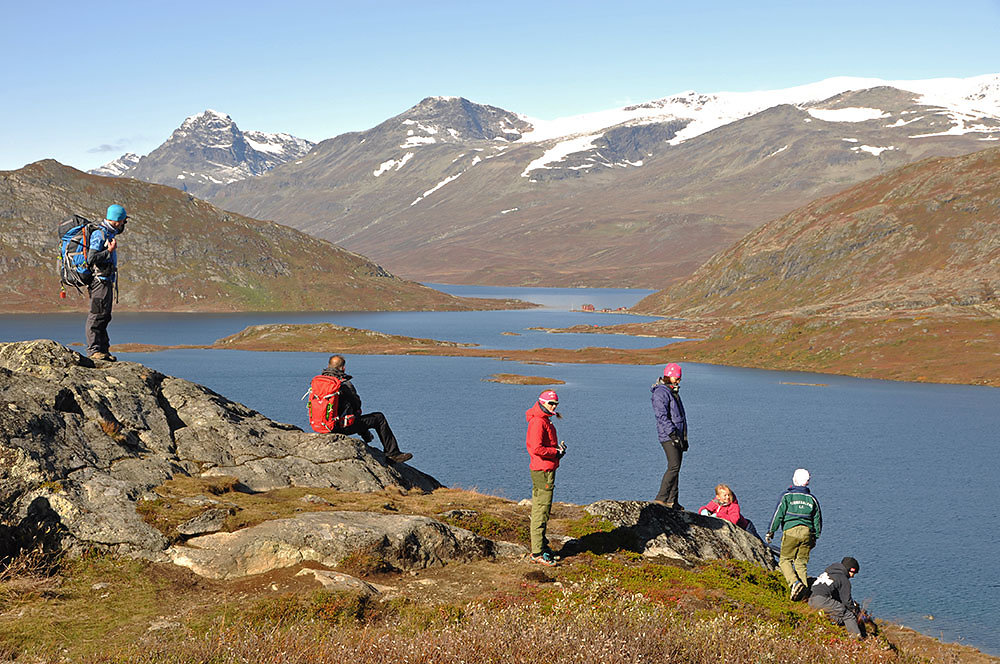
column 801, row 521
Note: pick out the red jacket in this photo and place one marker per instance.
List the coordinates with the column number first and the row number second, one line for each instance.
column 541, row 440
column 730, row 512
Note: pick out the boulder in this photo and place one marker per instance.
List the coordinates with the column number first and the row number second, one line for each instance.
column 81, row 442
column 401, row 541
column 654, row 530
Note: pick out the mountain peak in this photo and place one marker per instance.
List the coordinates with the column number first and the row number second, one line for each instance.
column 206, row 117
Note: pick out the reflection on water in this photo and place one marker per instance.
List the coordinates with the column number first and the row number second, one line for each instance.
column 905, row 473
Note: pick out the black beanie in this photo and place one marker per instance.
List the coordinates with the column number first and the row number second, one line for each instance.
column 850, row 563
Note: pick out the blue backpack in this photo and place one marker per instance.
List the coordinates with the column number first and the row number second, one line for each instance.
column 74, row 236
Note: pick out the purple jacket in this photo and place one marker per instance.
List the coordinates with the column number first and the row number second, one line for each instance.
column 669, row 413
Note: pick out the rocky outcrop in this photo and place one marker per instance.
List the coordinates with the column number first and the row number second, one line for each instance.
column 81, row 443
column 654, row 530
column 400, row 541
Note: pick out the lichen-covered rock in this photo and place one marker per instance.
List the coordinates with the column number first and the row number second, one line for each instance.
column 82, row 442
column 400, row 540
column 655, row 530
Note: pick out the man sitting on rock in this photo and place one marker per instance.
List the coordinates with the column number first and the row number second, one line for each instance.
column 350, row 404
column 831, row 594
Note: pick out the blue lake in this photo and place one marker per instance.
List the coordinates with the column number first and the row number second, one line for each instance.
column 905, row 472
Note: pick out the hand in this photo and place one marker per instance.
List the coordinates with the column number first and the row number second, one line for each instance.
column 769, row 537
column 113, row 244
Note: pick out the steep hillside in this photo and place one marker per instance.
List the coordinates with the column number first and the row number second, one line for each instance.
column 183, row 254
column 924, row 238
column 460, row 192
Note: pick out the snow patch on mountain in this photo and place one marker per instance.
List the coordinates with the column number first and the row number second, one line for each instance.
column 871, row 149
column 560, row 151
column 116, row 167
column 854, row 114
column 390, row 164
column 450, row 178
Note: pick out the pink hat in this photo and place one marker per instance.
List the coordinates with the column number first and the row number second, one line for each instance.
column 672, row 371
column 548, row 395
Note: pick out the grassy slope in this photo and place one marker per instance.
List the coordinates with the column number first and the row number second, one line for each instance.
column 182, row 254
column 608, row 605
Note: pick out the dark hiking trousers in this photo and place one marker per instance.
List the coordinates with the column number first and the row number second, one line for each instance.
column 837, row 613
column 378, row 422
column 101, row 299
column 668, row 485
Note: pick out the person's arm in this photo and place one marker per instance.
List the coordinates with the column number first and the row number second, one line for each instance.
column 710, row 507
column 350, row 398
column 661, row 410
column 98, row 252
column 817, row 519
column 779, row 516
column 536, row 441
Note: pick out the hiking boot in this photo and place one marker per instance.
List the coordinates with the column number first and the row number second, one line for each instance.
column 798, row 589
column 543, row 558
column 400, row 458
column 100, row 355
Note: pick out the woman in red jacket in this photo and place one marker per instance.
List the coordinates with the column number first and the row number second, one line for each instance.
column 544, row 451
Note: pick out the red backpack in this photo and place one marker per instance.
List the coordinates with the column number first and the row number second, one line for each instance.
column 324, row 404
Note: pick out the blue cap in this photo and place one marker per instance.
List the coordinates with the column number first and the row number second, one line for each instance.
column 116, row 213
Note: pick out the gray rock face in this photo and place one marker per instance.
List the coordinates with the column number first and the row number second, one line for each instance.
column 654, row 530
column 403, row 541
column 81, row 443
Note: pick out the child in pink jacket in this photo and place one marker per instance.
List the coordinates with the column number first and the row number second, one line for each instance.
column 725, row 506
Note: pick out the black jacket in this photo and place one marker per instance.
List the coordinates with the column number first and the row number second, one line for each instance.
column 835, row 583
column 350, row 402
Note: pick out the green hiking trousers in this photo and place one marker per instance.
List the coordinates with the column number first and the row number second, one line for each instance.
column 543, row 484
column 796, row 544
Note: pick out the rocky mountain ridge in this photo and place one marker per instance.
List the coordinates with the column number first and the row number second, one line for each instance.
column 206, row 152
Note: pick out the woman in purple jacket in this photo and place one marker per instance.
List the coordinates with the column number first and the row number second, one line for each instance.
column 671, row 425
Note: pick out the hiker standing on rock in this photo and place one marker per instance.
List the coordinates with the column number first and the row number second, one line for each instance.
column 544, row 451
column 102, row 258
column 801, row 521
column 831, row 594
column 350, row 404
column 671, row 426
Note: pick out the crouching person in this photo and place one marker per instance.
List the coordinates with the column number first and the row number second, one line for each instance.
column 831, row 594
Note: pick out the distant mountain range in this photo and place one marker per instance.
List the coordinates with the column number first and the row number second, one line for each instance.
column 207, row 152
column 459, row 192
column 180, row 253
column 923, row 240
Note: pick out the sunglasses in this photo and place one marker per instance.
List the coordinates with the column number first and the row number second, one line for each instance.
column 551, row 403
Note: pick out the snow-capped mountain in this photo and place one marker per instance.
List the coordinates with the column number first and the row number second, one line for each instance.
column 458, row 192
column 118, row 166
column 208, row 151
column 965, row 103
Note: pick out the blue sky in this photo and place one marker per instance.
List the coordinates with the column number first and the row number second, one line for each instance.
column 84, row 82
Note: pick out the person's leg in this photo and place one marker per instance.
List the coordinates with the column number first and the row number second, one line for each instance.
column 543, row 484
column 377, row 422
column 801, row 561
column 791, row 539
column 668, row 485
column 101, row 294
column 837, row 613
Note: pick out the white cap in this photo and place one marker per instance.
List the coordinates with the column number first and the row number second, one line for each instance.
column 800, row 477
